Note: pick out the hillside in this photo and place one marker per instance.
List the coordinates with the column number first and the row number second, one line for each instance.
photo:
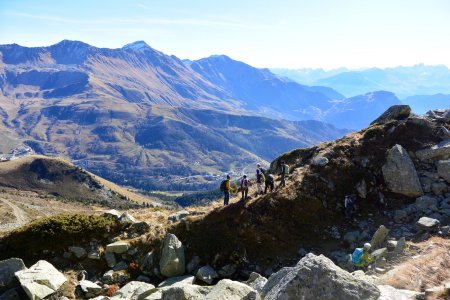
column 139, row 117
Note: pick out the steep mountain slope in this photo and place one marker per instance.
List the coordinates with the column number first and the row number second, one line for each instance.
column 137, row 116
column 268, row 231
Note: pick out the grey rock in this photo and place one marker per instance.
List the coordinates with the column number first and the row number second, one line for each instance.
column 206, row 274
column 79, row 252
column 193, row 264
column 317, row 277
column 390, row 245
column 40, row 280
column 172, row 262
column 439, row 151
column 256, row 281
column 108, row 276
column 400, row 215
column 7, row 269
column 390, row 293
column 425, row 202
column 400, row 174
column 134, row 290
column 379, row 237
column 179, row 215
column 110, row 259
column 126, row 219
column 445, row 230
column 147, row 263
column 395, row 112
column 443, row 169
column 382, row 252
column 185, row 292
column 156, row 295
column 439, row 188
column 320, row 161
column 428, row 224
column 118, row 247
column 11, row 294
column 121, row 265
column 89, row 288
column 188, row 279
column 400, row 246
column 232, row 290
column 351, row 237
column 228, row 270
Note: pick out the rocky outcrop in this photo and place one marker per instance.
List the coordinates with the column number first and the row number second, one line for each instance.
column 172, row 262
column 379, row 237
column 395, row 112
column 400, row 174
column 232, row 290
column 443, row 169
column 317, row 277
column 40, row 280
column 438, row 151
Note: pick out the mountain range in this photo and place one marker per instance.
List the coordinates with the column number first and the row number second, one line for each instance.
column 420, row 86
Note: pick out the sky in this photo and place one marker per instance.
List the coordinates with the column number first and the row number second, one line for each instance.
column 283, row 33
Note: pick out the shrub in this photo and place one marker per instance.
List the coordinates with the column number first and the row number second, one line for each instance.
column 374, row 131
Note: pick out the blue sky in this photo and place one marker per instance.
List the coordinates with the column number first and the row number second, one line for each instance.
column 283, row 33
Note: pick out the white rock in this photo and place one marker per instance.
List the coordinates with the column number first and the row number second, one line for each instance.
column 390, row 293
column 134, row 290
column 172, row 262
column 118, row 247
column 227, row 289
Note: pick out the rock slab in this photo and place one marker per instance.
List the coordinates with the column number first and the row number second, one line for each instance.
column 227, row 289
column 172, row 262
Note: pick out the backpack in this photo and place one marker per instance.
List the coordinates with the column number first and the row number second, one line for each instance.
column 269, row 178
column 263, row 178
column 222, row 185
column 244, row 182
column 263, row 170
column 286, row 169
column 356, row 256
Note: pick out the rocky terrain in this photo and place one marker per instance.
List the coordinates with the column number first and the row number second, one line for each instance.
column 272, row 246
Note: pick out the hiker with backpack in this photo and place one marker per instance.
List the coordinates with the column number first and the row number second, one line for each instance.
column 349, row 203
column 361, row 259
column 244, row 187
column 284, row 173
column 269, row 183
column 225, row 188
column 259, row 180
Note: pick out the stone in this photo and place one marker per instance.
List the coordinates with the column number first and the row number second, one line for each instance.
column 400, row 215
column 7, row 269
column 390, row 293
column 188, row 279
column 382, row 252
column 256, row 281
column 179, row 215
column 228, row 270
column 40, row 280
column 172, row 262
column 192, row 266
column 110, row 259
column 390, row 245
column 185, row 292
column 428, row 224
column 147, row 263
column 89, row 288
column 445, row 231
column 379, row 237
column 395, row 112
column 206, row 274
column 126, row 219
column 79, row 252
column 108, row 276
column 121, row 265
column 436, row 152
column 400, row 246
column 439, row 188
column 320, row 161
column 425, row 202
column 118, row 247
column 317, row 277
column 361, row 188
column 112, row 213
column 157, row 295
column 134, row 290
column 443, row 169
column 400, row 174
column 227, row 289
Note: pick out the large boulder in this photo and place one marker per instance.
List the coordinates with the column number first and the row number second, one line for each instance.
column 395, row 112
column 379, row 237
column 317, row 277
column 439, row 151
column 443, row 169
column 400, row 174
column 227, row 289
column 7, row 269
column 172, row 262
column 40, row 280
column 185, row 292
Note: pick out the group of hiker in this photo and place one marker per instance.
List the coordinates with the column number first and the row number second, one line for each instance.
column 262, row 176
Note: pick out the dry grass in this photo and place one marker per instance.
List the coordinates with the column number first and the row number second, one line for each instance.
column 429, row 268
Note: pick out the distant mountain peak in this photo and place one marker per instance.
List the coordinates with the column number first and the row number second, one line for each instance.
column 137, row 46
column 70, row 43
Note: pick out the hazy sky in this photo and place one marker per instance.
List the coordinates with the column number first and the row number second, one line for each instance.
column 281, row 33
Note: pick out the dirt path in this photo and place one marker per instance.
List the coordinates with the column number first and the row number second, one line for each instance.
column 19, row 214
